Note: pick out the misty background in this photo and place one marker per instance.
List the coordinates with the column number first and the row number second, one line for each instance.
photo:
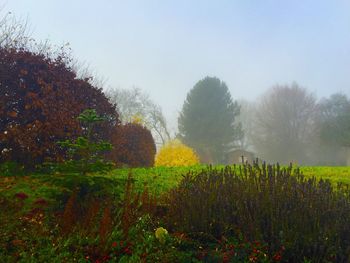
column 161, row 49
column 165, row 47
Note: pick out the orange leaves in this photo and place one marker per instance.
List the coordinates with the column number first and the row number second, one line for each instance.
column 12, row 114
column 32, row 95
column 133, row 146
column 40, row 81
column 39, row 103
column 23, row 72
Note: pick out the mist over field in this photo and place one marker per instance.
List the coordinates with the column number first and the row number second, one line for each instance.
column 285, row 63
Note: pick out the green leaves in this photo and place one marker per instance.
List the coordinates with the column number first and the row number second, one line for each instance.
column 86, row 155
column 90, row 116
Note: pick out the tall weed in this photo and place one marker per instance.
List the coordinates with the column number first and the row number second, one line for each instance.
column 278, row 206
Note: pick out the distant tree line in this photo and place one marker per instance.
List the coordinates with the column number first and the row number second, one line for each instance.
column 41, row 95
column 286, row 124
column 289, row 124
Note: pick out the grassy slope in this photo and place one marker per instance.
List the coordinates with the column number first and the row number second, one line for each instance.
column 162, row 178
column 158, row 180
column 334, row 174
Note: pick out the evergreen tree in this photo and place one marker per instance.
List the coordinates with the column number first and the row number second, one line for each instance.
column 207, row 121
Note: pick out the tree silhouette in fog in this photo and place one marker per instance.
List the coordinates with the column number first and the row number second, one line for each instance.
column 284, row 124
column 333, row 124
column 207, row 121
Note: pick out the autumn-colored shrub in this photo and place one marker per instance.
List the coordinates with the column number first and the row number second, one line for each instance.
column 133, row 146
column 175, row 153
column 40, row 100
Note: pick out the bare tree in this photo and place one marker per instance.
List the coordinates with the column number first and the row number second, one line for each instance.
column 14, row 32
column 284, row 124
column 133, row 103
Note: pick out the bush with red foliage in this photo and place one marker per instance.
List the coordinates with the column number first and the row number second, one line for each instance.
column 40, row 100
column 133, row 146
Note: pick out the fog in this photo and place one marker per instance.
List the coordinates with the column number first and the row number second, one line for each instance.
column 165, row 47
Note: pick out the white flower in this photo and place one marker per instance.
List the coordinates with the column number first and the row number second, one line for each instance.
column 5, row 150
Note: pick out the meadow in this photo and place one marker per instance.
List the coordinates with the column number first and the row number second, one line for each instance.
column 158, row 179
column 114, row 217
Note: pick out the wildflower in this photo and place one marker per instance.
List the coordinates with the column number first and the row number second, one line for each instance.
column 40, row 201
column 21, row 195
column 114, row 244
column 5, row 150
column 277, row 257
column 253, row 258
column 256, row 251
column 225, row 258
column 161, row 233
column 127, row 251
column 17, row 242
column 106, row 257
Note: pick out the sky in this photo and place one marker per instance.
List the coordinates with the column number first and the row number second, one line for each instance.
column 164, row 47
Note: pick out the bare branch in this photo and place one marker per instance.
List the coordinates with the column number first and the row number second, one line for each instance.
column 14, row 32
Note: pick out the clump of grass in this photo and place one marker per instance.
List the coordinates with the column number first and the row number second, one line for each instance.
column 275, row 205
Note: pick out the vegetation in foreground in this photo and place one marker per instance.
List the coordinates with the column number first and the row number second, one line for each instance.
column 184, row 214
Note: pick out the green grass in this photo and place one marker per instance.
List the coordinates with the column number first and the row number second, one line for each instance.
column 334, row 174
column 56, row 188
column 162, row 179
column 158, row 180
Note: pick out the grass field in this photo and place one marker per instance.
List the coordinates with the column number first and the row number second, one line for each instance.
column 20, row 196
column 334, row 174
column 158, row 179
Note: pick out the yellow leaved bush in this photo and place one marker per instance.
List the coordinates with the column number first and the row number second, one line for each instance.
column 175, row 153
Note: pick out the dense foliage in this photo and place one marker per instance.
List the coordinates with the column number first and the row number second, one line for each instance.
column 133, row 146
column 40, row 99
column 207, row 122
column 116, row 218
column 85, row 154
column 279, row 207
column 175, row 153
column 91, row 222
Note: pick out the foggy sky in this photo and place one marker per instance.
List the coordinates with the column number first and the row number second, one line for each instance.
column 165, row 47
